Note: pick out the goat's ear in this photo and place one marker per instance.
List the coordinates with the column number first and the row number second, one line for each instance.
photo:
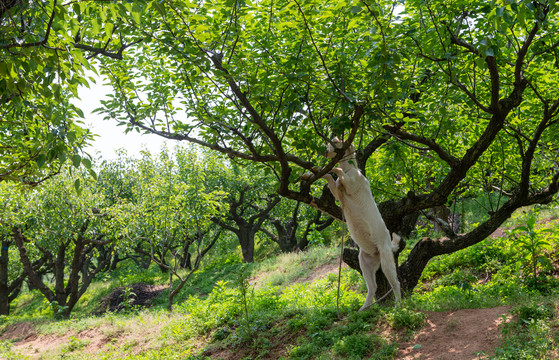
column 335, row 139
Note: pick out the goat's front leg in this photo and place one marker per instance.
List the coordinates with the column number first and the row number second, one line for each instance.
column 340, row 172
column 333, row 186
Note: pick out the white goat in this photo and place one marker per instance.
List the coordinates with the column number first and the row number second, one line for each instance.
column 364, row 222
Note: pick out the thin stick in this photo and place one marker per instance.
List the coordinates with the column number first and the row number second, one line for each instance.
column 340, row 265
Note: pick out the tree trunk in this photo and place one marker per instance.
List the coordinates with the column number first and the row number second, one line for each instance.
column 4, row 293
column 64, row 297
column 58, row 270
column 246, row 240
column 32, row 275
column 185, row 260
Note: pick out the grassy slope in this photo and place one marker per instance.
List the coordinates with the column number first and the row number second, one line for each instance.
column 285, row 307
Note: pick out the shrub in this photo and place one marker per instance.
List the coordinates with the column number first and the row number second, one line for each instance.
column 357, row 345
column 404, row 318
column 529, row 312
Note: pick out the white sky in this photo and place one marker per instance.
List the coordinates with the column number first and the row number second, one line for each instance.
column 110, row 136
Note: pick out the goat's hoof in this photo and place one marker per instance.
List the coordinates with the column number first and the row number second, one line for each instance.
column 306, row 176
column 365, row 307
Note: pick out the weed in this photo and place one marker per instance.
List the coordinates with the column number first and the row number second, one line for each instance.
column 356, row 346
column 529, row 312
column 296, row 323
column 220, row 334
column 243, row 286
column 530, row 340
column 58, row 310
column 532, row 244
column 304, row 351
column 75, row 344
column 7, row 352
column 128, row 299
column 401, row 317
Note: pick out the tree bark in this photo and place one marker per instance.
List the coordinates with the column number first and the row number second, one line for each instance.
column 64, row 296
column 32, row 275
column 246, row 240
column 4, row 293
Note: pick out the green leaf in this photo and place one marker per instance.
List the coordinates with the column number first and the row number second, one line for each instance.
column 160, row 7
column 109, row 28
column 95, row 26
column 499, row 11
column 41, row 159
column 77, row 185
column 93, row 174
column 79, row 112
column 76, row 160
column 355, row 9
column 136, row 13
column 86, row 162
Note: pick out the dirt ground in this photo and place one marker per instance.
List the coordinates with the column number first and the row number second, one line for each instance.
column 457, row 335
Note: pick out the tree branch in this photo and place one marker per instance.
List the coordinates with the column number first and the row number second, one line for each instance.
column 431, row 144
column 35, row 43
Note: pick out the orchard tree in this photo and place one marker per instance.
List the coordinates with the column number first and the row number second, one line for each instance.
column 171, row 211
column 46, row 49
column 65, row 228
column 120, row 180
column 290, row 225
column 249, row 201
column 12, row 274
column 442, row 100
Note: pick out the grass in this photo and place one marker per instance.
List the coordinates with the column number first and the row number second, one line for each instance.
column 273, row 309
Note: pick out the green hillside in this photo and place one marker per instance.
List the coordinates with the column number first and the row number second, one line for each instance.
column 285, row 307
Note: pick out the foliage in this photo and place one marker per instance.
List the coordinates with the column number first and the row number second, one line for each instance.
column 530, row 335
column 532, row 245
column 66, row 233
column 169, row 206
column 46, row 51
column 405, row 318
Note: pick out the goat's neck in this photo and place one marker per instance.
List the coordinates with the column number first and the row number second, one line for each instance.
column 348, row 162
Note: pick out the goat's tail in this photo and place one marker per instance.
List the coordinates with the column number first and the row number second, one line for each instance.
column 396, row 242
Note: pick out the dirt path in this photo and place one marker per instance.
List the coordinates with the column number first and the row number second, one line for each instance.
column 456, row 335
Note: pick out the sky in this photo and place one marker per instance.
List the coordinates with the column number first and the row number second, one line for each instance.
column 110, row 136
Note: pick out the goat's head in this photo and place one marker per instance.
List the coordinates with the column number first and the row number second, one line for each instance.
column 337, row 144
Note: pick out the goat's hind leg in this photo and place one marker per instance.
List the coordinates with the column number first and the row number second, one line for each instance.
column 369, row 264
column 389, row 269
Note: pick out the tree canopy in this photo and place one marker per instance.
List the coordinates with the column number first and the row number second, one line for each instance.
column 46, row 47
column 443, row 100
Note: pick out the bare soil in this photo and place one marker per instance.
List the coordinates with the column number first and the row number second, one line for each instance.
column 457, row 335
